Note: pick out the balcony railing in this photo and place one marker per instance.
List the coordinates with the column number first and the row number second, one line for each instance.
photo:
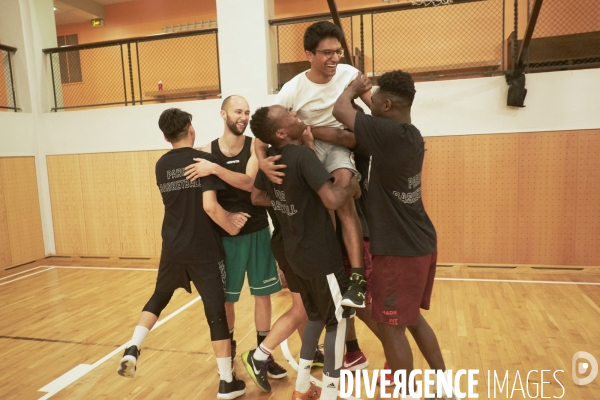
column 128, row 72
column 465, row 38
column 8, row 100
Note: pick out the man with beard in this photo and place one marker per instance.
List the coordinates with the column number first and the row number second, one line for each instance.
column 250, row 250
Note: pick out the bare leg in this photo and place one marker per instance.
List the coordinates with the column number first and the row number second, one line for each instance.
column 262, row 313
column 222, row 348
column 364, row 314
column 287, row 323
column 396, row 347
column 428, row 344
column 230, row 311
column 351, row 228
column 147, row 320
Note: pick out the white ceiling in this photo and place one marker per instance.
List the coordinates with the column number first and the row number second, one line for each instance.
column 72, row 12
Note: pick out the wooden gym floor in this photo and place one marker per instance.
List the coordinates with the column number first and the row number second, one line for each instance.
column 64, row 321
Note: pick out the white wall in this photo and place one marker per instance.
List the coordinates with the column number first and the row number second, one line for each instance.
column 556, row 100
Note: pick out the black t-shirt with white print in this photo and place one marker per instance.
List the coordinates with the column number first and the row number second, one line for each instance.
column 398, row 223
column 310, row 242
column 189, row 235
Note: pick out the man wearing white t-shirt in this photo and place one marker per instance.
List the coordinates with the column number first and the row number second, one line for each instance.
column 312, row 95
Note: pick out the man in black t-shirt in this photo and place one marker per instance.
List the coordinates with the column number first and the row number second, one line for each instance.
column 191, row 248
column 403, row 238
column 310, row 242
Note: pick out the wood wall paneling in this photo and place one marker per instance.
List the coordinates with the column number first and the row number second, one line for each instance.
column 22, row 209
column 547, row 207
column 68, row 217
column 587, row 238
column 99, row 193
column 5, row 257
column 158, row 208
column 134, row 204
column 491, row 198
column 443, row 193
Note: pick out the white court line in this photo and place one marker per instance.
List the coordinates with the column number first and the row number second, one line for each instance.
column 82, row 369
column 518, row 281
column 22, row 272
column 26, row 276
column 292, row 361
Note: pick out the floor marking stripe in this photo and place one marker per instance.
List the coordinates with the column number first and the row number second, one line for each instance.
column 26, row 276
column 518, row 281
column 82, row 369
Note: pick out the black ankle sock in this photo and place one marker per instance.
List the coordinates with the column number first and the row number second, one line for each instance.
column 352, row 345
column 260, row 336
column 359, row 271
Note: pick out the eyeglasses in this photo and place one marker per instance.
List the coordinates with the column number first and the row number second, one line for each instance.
column 330, row 53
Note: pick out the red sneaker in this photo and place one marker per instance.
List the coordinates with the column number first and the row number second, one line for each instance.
column 355, row 360
column 388, row 376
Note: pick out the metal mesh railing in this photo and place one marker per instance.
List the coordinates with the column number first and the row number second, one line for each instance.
column 135, row 71
column 460, row 38
column 567, row 35
column 8, row 101
column 466, row 37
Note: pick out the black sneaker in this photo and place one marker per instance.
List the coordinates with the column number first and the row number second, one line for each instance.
column 231, row 390
column 355, row 295
column 275, row 370
column 257, row 370
column 319, row 358
column 128, row 362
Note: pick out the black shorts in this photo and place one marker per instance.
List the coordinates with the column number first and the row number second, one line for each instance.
column 322, row 297
column 209, row 279
column 284, row 266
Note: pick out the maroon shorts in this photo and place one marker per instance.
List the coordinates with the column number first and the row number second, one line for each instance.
column 400, row 286
column 368, row 264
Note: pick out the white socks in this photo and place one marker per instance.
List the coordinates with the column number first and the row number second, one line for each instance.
column 303, row 380
column 330, row 388
column 224, row 367
column 139, row 334
column 262, row 353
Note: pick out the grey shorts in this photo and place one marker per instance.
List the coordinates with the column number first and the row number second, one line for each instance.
column 334, row 156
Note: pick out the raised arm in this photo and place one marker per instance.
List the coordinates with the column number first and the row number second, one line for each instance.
column 343, row 110
column 230, row 222
column 334, row 197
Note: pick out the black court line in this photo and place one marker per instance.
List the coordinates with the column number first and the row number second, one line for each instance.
column 24, row 338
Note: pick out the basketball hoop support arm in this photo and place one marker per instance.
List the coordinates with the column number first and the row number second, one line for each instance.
column 336, row 20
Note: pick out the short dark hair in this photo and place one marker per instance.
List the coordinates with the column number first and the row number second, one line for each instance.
column 398, row 83
column 319, row 31
column 174, row 123
column 263, row 126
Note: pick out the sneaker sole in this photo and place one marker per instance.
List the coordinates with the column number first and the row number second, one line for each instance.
column 127, row 367
column 231, row 395
column 250, row 371
column 356, row 367
column 348, row 303
column 270, row 375
column 317, row 365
